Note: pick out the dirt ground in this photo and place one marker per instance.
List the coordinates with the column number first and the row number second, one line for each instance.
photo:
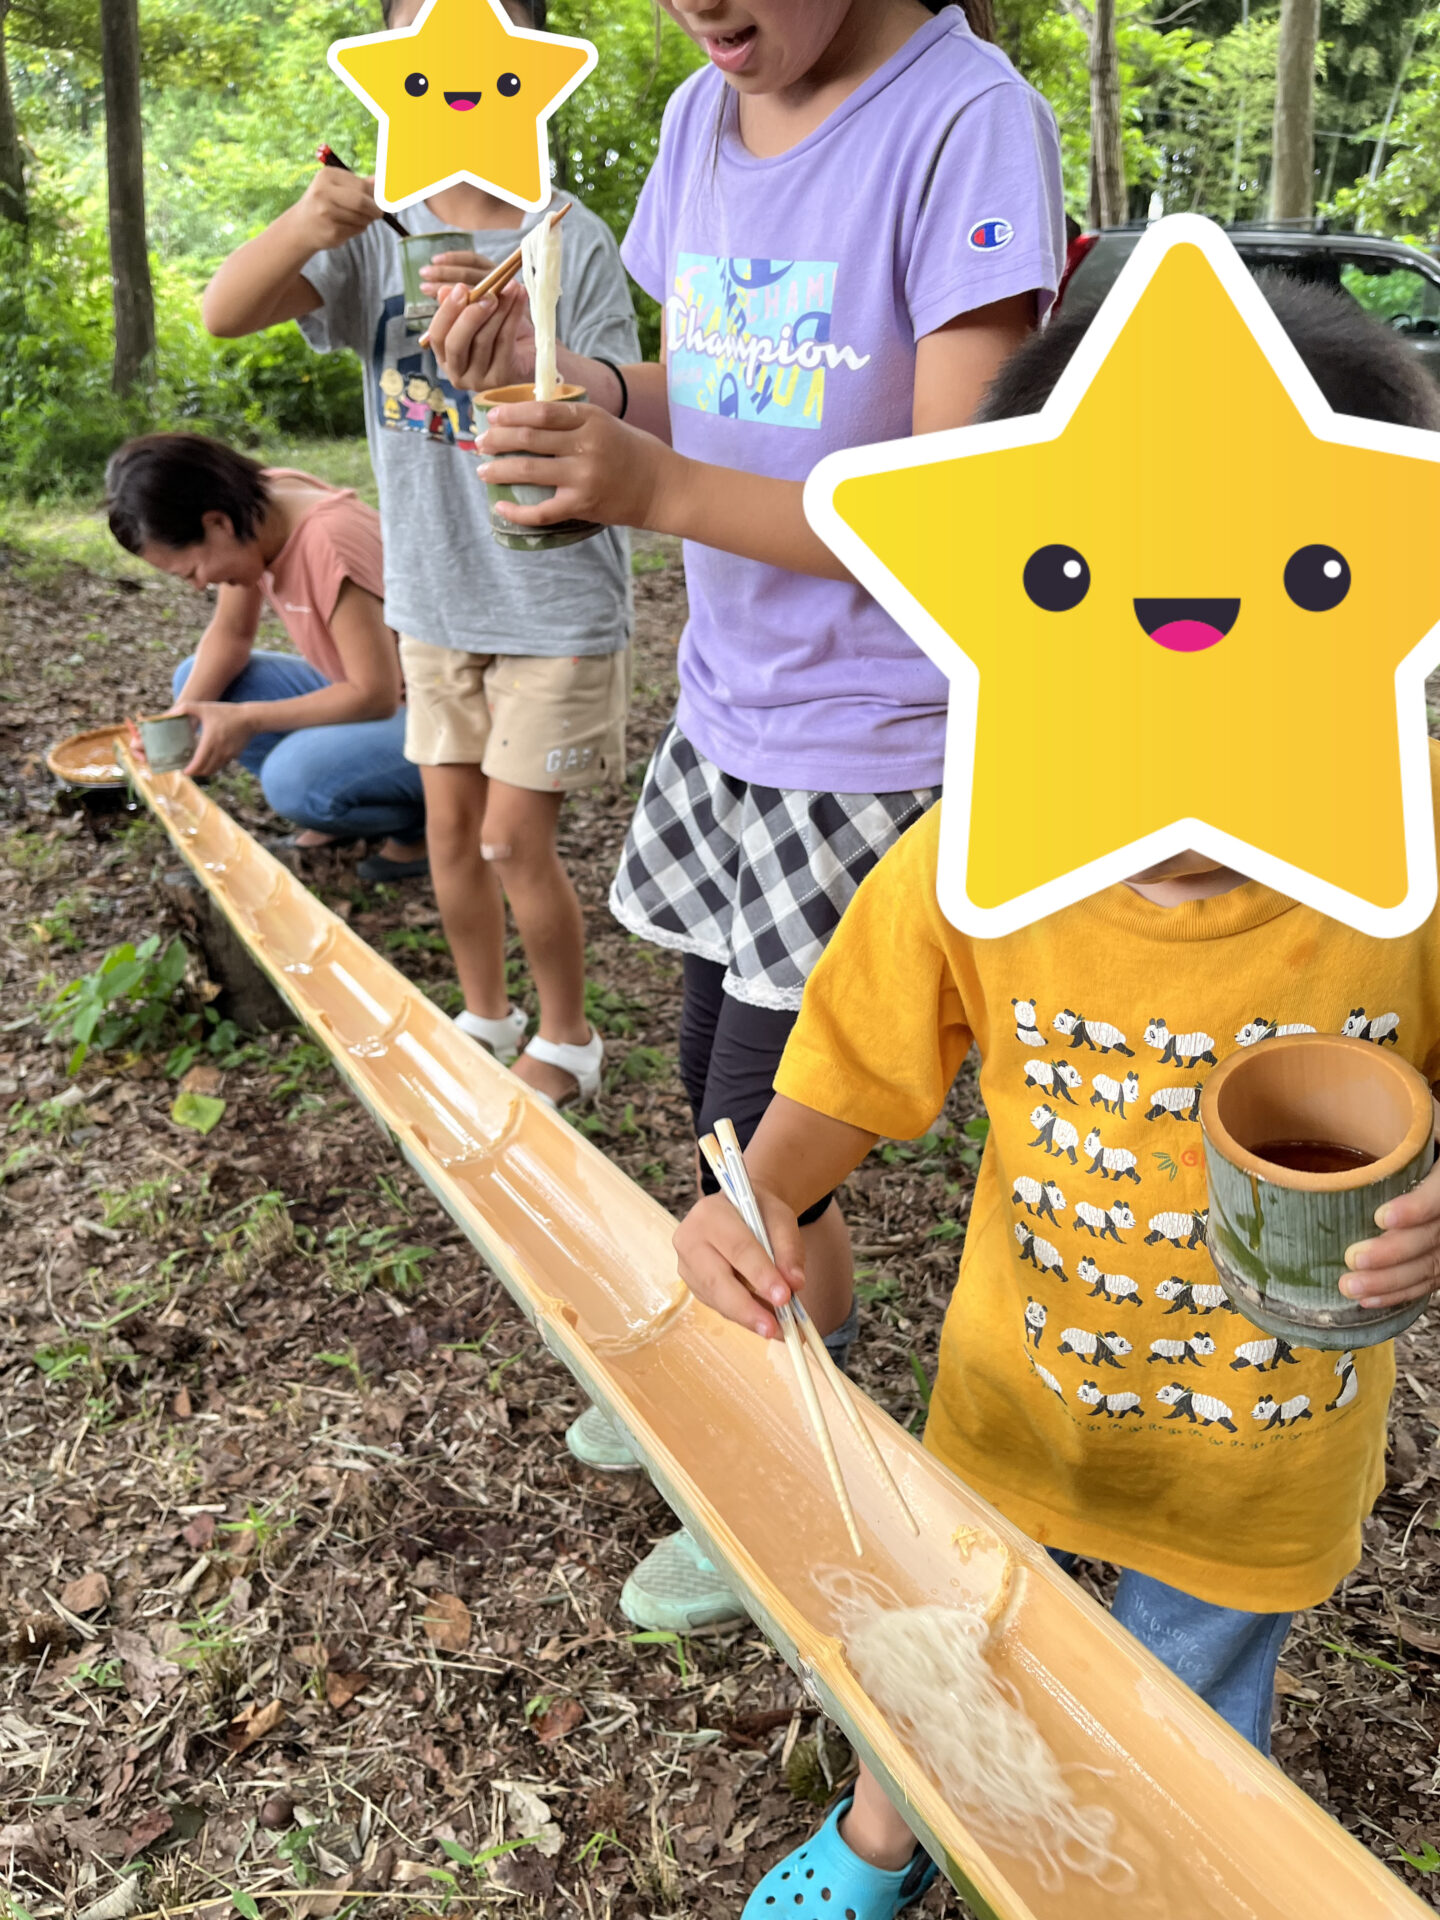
column 299, row 1586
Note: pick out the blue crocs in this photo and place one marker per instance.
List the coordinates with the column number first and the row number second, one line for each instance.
column 824, row 1880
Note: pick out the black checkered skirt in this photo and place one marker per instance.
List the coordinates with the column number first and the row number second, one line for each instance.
column 754, row 878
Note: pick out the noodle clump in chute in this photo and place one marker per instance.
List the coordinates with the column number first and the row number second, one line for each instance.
column 928, row 1671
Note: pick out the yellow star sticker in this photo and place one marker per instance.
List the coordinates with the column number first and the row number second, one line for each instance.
column 463, row 94
column 1185, row 605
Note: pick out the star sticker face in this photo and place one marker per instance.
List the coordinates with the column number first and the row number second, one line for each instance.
column 1186, row 605
column 462, row 95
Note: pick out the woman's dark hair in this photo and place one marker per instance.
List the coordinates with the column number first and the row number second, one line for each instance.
column 980, row 14
column 1362, row 368
column 159, row 488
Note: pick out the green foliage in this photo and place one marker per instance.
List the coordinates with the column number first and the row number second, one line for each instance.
column 127, row 1002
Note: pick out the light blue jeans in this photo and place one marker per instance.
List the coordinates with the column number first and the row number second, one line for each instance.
column 1226, row 1656
column 351, row 780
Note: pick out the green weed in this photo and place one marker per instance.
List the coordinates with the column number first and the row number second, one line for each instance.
column 357, row 1257
column 658, row 1637
column 922, row 1380
column 415, row 940
column 35, row 857
column 609, row 1010
column 128, row 1002
column 873, row 1292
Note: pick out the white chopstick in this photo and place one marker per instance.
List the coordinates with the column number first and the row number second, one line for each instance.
column 722, row 1152
column 734, row 1179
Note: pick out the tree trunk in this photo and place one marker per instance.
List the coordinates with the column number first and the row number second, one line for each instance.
column 1107, row 158
column 13, row 204
column 1292, row 167
column 133, row 297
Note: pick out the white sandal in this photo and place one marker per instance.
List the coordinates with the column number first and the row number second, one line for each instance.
column 503, row 1037
column 583, row 1064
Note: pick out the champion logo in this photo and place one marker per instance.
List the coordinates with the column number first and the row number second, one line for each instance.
column 988, row 236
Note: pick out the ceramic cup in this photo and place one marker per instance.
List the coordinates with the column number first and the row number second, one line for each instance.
column 169, row 741
column 416, row 251
column 564, row 533
column 1278, row 1233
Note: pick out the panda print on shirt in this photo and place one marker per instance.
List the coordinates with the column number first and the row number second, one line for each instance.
column 1143, row 1137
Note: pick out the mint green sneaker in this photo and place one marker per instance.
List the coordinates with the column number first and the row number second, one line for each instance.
column 597, row 1442
column 675, row 1589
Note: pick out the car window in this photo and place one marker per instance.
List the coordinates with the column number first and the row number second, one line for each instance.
column 1401, row 296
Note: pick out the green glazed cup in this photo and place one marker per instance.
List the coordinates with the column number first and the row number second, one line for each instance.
column 169, row 741
column 565, row 533
column 416, row 251
column 1277, row 1235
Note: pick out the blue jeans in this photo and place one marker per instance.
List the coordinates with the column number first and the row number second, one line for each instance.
column 1226, row 1656
column 351, row 780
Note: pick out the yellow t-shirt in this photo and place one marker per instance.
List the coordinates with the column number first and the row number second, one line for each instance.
column 1094, row 1384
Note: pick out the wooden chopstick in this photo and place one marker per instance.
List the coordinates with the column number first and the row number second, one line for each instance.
column 502, row 275
column 722, row 1152
column 840, row 1384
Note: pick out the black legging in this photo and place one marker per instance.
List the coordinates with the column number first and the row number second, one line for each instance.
column 729, row 1053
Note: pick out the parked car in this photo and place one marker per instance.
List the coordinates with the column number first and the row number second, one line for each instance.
column 1399, row 285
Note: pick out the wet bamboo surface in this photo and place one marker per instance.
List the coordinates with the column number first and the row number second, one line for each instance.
column 1212, row 1831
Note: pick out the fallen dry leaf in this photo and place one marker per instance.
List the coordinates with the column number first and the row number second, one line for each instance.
column 200, row 1532
column 87, row 1594
column 446, row 1622
column 341, row 1688
column 147, row 1830
column 147, row 1674
column 555, row 1722
column 252, row 1723
column 202, row 1079
column 181, row 1408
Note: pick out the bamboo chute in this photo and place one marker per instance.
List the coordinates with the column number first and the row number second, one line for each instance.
column 1212, row 1831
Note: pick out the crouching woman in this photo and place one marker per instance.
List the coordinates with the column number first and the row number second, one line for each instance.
column 324, row 732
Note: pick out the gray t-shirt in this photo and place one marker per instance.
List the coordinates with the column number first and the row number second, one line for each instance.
column 447, row 581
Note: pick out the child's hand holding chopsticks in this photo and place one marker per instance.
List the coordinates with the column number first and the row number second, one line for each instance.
column 723, row 1264
column 488, row 344
column 335, row 206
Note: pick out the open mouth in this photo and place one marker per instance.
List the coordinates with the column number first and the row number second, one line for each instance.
column 1187, row 626
column 462, row 102
column 730, row 51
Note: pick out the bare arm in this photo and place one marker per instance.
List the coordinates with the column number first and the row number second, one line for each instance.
column 492, row 344
column 612, row 471
column 370, row 691
column 226, row 644
column 796, row 1155
column 261, row 283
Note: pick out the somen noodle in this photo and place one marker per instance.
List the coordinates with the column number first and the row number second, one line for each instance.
column 928, row 1671
column 540, row 263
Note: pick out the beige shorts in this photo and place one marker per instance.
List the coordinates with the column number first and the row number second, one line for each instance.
column 551, row 725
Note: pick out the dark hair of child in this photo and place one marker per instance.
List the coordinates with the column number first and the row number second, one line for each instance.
column 159, row 488
column 1361, row 367
column 535, row 9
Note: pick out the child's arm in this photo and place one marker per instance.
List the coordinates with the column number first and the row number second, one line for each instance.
column 370, row 691
column 796, row 1155
column 492, row 344
column 615, row 472
column 261, row 283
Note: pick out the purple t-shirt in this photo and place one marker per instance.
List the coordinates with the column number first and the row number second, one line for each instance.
column 794, row 290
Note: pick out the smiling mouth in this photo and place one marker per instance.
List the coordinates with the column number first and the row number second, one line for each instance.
column 462, row 102
column 1187, row 626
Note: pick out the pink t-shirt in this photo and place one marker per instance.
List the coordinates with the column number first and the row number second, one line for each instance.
column 337, row 540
